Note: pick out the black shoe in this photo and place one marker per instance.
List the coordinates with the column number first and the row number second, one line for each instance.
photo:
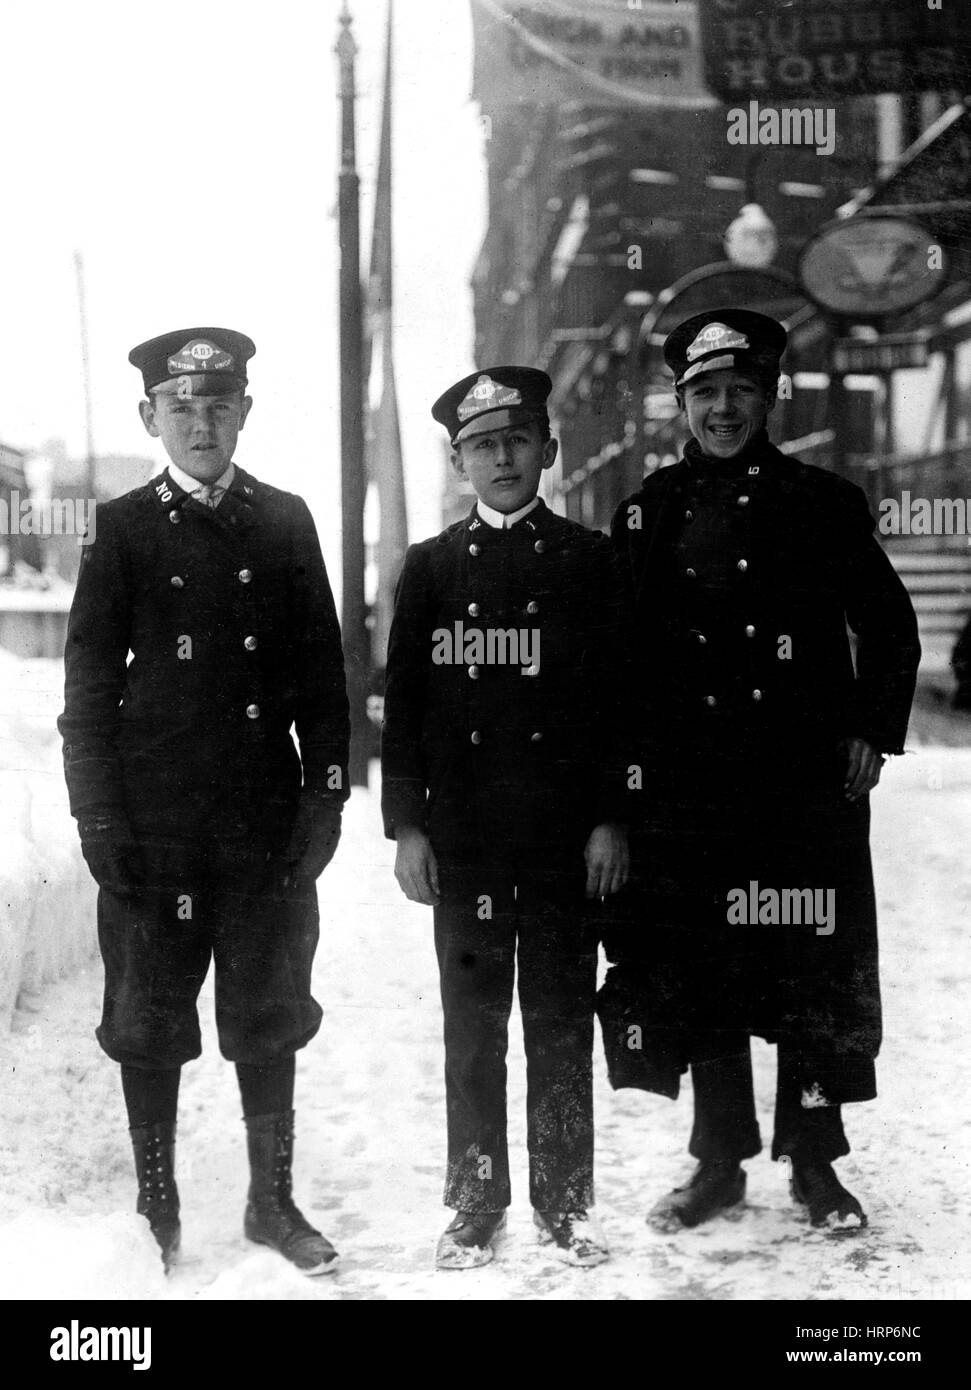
column 714, row 1187
column 469, row 1239
column 158, row 1196
column 817, row 1188
column 576, row 1236
column 272, row 1217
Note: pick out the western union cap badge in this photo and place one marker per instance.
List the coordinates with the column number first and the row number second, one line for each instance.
column 716, row 337
column 200, row 356
column 487, row 394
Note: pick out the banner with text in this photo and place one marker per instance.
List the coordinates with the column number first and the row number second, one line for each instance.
column 600, row 52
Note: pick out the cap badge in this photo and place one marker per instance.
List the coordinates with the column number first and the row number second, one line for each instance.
column 199, row 356
column 716, row 337
column 487, row 394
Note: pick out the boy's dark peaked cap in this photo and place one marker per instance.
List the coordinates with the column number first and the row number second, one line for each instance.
column 219, row 355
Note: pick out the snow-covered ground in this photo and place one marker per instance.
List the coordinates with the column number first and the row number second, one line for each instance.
column 370, row 1121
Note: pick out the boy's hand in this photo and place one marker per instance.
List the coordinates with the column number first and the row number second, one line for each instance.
column 607, row 859
column 111, row 853
column 415, row 866
column 863, row 767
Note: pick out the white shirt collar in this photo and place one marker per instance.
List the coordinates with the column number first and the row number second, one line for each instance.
column 503, row 520
column 189, row 484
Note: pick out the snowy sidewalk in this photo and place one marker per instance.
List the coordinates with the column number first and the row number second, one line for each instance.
column 370, row 1121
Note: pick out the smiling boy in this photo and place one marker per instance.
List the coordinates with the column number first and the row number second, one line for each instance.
column 202, row 825
column 504, row 790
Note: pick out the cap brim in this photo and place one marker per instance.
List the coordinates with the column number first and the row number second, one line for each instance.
column 199, row 384
column 729, row 361
column 500, row 418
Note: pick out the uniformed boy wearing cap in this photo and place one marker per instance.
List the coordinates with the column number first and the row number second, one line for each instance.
column 203, row 826
column 761, row 742
column 503, row 787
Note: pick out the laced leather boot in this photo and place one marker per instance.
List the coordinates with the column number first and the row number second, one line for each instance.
column 272, row 1217
column 158, row 1196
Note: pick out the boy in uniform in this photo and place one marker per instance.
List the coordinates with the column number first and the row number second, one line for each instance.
column 201, row 824
column 504, row 791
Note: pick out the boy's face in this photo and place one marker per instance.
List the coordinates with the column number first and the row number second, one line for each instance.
column 198, row 433
column 504, row 466
column 725, row 410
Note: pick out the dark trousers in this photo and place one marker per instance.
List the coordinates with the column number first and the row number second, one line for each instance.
column 487, row 920
column 725, row 1123
column 217, row 898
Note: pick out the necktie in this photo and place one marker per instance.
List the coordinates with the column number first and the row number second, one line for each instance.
column 209, row 495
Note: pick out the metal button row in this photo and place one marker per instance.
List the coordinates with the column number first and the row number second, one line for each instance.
column 711, row 702
column 693, row 574
column 475, row 549
column 244, row 577
column 476, row 738
column 532, row 608
column 476, row 671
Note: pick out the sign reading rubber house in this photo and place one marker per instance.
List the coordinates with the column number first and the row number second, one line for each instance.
column 820, row 48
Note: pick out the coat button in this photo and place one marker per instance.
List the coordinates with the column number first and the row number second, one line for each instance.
column 175, row 515
column 536, row 738
column 539, row 547
column 691, row 574
column 475, row 737
column 475, row 549
column 756, row 694
column 177, row 582
column 702, row 640
column 532, row 607
column 245, row 576
column 710, row 701
column 252, row 711
column 531, row 670
column 742, row 566
column 473, row 673
column 749, row 630
column 743, row 501
column 689, row 515
column 249, row 643
column 474, row 610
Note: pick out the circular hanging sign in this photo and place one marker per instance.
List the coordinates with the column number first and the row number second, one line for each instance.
column 871, row 267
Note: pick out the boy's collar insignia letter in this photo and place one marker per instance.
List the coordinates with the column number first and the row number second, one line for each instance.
column 487, row 394
column 716, row 337
column 199, row 355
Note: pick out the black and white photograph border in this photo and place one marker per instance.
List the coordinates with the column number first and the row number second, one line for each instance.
column 168, row 172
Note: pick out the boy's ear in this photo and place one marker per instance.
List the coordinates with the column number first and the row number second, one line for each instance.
column 550, row 450
column 146, row 410
column 456, row 461
column 244, row 409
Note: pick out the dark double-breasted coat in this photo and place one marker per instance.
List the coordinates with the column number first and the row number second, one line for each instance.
column 234, row 639
column 486, row 756
column 197, row 639
column 747, row 575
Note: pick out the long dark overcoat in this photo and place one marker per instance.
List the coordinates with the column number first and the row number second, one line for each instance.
column 230, row 622
column 487, row 759
column 747, row 577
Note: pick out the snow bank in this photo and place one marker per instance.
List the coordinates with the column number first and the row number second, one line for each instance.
column 47, row 897
column 60, row 1255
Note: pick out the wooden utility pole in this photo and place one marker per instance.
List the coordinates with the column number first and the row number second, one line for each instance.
column 386, row 468
column 89, row 458
column 353, row 615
